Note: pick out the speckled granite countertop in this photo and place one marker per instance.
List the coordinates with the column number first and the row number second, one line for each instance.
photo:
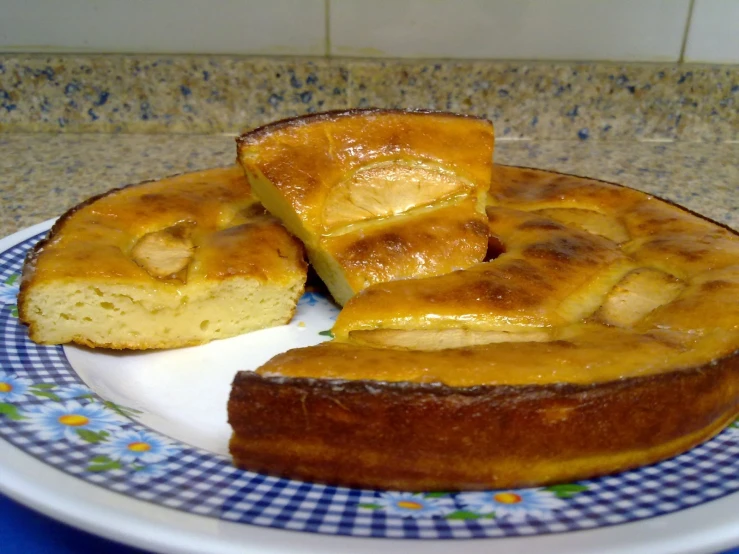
column 221, row 94
column 72, row 126
column 42, row 175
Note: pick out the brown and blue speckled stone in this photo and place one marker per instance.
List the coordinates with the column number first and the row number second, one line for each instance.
column 221, row 94
column 564, row 101
column 149, row 94
column 579, row 118
column 43, row 175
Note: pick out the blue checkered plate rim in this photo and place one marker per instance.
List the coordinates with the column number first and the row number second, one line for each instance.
column 48, row 412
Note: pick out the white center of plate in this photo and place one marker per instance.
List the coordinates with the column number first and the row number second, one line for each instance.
column 182, row 393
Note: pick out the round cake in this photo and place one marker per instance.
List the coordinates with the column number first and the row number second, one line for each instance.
column 601, row 333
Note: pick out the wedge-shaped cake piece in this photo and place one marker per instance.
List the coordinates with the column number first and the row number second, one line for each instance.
column 604, row 336
column 549, row 276
column 163, row 264
column 376, row 195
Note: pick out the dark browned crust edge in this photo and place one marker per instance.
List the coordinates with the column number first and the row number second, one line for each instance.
column 258, row 132
column 435, row 437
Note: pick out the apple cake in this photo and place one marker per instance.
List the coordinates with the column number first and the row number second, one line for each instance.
column 163, row 264
column 600, row 334
column 376, row 195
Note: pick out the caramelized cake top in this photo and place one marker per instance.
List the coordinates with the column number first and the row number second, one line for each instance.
column 376, row 195
column 592, row 282
column 182, row 229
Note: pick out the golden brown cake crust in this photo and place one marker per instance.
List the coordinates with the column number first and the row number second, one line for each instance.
column 609, row 394
column 106, row 227
column 431, row 243
column 306, row 156
column 371, row 192
column 544, row 263
column 159, row 248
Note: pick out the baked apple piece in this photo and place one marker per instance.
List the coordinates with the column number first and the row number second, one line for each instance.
column 376, row 195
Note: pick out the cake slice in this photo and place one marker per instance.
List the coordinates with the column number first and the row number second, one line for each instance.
column 163, row 264
column 376, row 195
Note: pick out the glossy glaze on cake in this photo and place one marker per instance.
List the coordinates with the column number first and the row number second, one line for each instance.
column 163, row 264
column 602, row 337
column 376, row 195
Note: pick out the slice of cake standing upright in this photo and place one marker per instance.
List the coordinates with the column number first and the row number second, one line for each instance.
column 376, row 195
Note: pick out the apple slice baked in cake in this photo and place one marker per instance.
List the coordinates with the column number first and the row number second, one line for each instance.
column 603, row 336
column 162, row 264
column 376, row 195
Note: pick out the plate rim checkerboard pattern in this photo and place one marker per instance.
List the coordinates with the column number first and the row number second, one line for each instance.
column 198, row 482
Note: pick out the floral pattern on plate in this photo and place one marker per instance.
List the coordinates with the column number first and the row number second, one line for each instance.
column 49, row 413
column 9, row 293
column 75, row 414
column 539, row 503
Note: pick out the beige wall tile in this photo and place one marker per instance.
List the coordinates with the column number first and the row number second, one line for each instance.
column 164, row 26
column 714, row 32
column 635, row 30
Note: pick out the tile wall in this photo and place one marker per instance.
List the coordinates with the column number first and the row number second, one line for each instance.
column 700, row 31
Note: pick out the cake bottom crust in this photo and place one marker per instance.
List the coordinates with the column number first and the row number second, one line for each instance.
column 420, row 437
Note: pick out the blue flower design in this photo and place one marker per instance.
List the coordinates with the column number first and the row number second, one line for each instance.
column 12, row 387
column 144, row 473
column 514, row 504
column 138, row 446
column 9, row 293
column 408, row 504
column 73, row 391
column 63, row 420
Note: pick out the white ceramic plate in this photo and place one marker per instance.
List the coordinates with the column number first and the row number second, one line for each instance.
column 133, row 446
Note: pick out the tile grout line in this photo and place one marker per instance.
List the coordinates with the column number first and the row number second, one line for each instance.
column 688, row 21
column 327, row 25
